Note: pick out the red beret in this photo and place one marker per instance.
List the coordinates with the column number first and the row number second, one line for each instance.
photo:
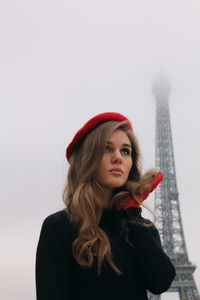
column 91, row 124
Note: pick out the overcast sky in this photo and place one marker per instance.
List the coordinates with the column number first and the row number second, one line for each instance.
column 61, row 62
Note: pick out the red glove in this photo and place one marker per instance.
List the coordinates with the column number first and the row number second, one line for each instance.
column 131, row 202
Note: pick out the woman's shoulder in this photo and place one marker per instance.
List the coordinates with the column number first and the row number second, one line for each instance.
column 56, row 236
column 57, row 217
column 58, row 223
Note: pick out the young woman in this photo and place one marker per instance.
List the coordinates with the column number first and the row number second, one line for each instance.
column 99, row 246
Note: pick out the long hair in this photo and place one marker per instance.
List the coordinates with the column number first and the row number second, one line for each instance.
column 82, row 195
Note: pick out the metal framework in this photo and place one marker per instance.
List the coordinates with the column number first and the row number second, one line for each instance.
column 167, row 209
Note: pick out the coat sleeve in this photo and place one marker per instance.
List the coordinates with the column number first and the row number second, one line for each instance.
column 52, row 268
column 155, row 267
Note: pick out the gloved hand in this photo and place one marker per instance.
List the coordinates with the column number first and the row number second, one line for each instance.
column 131, row 202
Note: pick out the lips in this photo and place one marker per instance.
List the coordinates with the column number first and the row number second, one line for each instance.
column 116, row 171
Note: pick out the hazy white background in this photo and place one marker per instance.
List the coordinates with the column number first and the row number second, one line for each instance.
column 61, row 62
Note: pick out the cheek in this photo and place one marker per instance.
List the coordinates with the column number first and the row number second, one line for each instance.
column 129, row 166
column 104, row 163
column 101, row 168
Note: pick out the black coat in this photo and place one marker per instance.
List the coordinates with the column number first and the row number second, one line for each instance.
column 144, row 267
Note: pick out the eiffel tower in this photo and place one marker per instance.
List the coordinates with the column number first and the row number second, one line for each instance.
column 167, row 209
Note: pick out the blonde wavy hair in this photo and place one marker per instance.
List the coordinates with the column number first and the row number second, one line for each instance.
column 82, row 195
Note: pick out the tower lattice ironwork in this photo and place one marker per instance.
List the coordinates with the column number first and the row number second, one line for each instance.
column 167, row 209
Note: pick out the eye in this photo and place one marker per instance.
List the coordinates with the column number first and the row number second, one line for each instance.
column 125, row 151
column 108, row 148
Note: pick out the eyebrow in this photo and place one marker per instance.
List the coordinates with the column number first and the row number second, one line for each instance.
column 127, row 145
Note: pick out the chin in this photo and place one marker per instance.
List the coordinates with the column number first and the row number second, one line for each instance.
column 116, row 185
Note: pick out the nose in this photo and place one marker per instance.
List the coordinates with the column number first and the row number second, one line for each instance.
column 116, row 158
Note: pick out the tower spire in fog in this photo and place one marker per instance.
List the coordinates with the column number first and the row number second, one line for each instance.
column 167, row 209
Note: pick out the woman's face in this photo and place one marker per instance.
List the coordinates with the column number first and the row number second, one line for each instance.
column 116, row 163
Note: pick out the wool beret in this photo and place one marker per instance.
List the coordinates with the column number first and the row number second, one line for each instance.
column 91, row 124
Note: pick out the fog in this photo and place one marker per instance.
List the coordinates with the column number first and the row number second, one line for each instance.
column 62, row 62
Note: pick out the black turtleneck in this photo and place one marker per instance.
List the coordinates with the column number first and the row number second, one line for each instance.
column 144, row 265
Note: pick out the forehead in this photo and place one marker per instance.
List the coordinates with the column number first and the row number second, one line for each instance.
column 119, row 136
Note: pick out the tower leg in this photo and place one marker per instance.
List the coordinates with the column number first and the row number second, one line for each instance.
column 153, row 297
